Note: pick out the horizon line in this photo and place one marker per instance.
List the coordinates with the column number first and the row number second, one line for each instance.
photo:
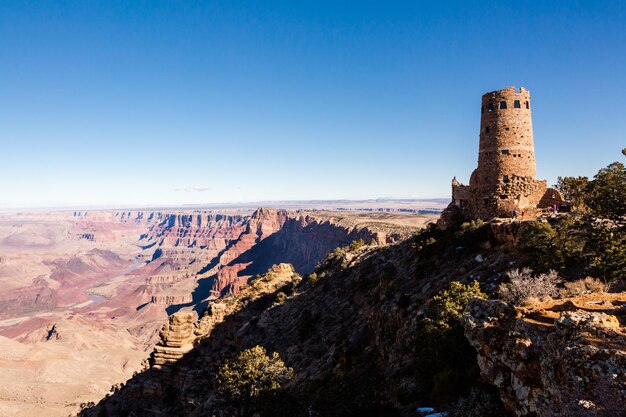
column 220, row 205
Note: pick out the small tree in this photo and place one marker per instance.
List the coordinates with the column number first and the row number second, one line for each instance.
column 607, row 253
column 608, row 192
column 574, row 189
column 560, row 247
column 448, row 305
column 444, row 374
column 252, row 374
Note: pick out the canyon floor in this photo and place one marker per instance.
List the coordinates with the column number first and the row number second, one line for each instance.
column 84, row 294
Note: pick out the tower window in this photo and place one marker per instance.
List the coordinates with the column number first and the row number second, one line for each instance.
column 503, row 104
column 490, row 107
column 505, row 151
column 487, row 179
column 487, row 129
column 527, row 105
column 505, row 178
column 516, row 104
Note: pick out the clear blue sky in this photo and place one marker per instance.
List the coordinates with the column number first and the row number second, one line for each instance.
column 124, row 103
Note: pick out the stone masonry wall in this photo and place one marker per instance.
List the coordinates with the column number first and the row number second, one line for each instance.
column 504, row 180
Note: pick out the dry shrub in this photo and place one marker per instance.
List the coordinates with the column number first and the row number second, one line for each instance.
column 586, row 285
column 523, row 285
column 530, row 301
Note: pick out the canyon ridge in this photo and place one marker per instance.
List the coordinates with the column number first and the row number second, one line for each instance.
column 85, row 293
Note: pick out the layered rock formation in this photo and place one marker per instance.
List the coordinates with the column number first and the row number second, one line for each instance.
column 65, row 284
column 183, row 329
column 205, row 230
column 177, row 337
column 562, row 358
column 37, row 297
column 167, row 300
column 226, row 251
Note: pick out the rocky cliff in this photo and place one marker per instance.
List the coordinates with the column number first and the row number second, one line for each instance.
column 190, row 252
column 183, row 329
column 559, row 358
column 349, row 332
column 205, row 230
column 278, row 236
column 355, row 334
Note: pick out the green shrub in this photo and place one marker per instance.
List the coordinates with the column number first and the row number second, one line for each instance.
column 561, row 247
column 607, row 253
column 296, row 280
column 448, row 305
column 312, row 278
column 356, row 245
column 605, row 195
column 251, row 374
column 472, row 234
column 576, row 246
column 472, row 226
column 281, row 297
column 445, row 362
column 574, row 189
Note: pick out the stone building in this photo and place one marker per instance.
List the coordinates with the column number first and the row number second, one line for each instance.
column 505, row 179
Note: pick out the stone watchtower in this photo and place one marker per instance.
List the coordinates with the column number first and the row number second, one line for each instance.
column 504, row 180
column 506, row 145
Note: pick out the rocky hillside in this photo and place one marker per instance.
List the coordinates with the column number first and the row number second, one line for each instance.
column 374, row 332
column 562, row 357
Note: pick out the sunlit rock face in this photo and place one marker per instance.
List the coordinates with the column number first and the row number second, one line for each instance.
column 563, row 358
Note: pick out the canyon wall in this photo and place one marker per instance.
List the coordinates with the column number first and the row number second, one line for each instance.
column 90, row 290
column 221, row 253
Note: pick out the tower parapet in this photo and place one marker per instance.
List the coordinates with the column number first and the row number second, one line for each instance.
column 506, row 144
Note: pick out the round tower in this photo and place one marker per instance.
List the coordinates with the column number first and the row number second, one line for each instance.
column 504, row 181
column 506, row 146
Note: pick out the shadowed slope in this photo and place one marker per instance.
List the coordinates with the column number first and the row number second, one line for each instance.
column 349, row 335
